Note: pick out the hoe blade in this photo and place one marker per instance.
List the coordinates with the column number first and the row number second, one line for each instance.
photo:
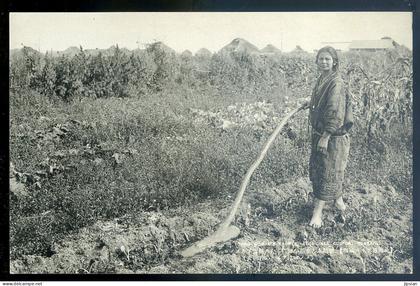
column 223, row 234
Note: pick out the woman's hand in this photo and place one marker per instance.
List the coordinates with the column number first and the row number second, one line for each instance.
column 322, row 146
column 305, row 102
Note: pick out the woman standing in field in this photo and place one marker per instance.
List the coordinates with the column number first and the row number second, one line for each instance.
column 330, row 141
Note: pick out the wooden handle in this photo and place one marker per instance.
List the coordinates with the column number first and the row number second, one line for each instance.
column 255, row 165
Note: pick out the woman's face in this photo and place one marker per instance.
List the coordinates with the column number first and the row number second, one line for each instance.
column 325, row 61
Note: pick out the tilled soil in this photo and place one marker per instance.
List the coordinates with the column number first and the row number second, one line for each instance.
column 373, row 236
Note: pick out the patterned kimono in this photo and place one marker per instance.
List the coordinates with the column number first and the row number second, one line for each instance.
column 327, row 113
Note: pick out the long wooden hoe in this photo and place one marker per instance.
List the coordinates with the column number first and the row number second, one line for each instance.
column 226, row 231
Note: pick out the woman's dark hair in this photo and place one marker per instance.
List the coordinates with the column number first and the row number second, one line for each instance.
column 333, row 54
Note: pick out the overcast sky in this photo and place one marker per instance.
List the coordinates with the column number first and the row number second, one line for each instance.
column 192, row 31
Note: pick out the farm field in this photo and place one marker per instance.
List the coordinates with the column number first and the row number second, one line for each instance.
column 119, row 160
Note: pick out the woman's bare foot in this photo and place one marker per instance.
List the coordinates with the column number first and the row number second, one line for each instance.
column 339, row 203
column 316, row 220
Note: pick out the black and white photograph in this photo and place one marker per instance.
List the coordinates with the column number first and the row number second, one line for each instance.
column 211, row 143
